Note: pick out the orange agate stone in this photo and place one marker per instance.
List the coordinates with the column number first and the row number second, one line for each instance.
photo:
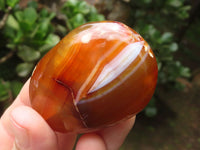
column 97, row 75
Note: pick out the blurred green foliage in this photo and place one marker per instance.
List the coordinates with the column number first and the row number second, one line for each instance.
column 159, row 23
column 79, row 12
column 26, row 34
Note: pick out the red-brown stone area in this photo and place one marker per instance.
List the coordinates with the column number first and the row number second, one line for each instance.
column 97, row 75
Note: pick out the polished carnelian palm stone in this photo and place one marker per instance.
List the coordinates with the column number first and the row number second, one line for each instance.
column 96, row 76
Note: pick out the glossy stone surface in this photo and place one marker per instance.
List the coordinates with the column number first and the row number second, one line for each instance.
column 96, row 76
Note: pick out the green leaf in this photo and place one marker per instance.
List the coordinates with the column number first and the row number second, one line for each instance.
column 159, row 65
column 30, row 15
column 186, row 8
column 16, row 87
column 83, row 7
column 33, row 4
column 185, row 72
column 12, row 3
column 77, row 20
column 71, row 3
column 2, row 4
column 42, row 29
column 4, row 90
column 166, row 37
column 51, row 15
column 28, row 54
column 18, row 37
column 51, row 41
column 11, row 46
column 93, row 10
column 150, row 111
column 182, row 13
column 12, row 23
column 44, row 13
column 175, row 3
column 96, row 17
column 25, row 21
column 24, row 69
column 62, row 30
column 19, row 16
column 173, row 47
column 150, row 30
